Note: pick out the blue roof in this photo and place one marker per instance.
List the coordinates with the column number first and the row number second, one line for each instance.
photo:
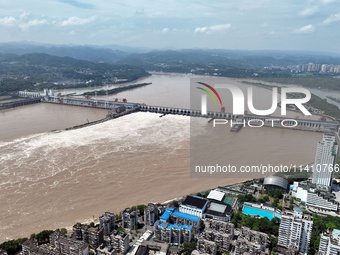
column 179, row 226
column 186, row 216
column 161, row 224
column 171, row 211
column 165, row 215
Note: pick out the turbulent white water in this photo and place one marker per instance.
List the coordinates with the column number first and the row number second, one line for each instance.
column 50, row 180
column 44, row 155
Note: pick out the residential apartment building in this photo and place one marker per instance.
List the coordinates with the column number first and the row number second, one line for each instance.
column 325, row 159
column 205, row 246
column 172, row 233
column 330, row 243
column 151, row 214
column 107, row 222
column 59, row 245
column 120, row 242
column 220, row 232
column 295, row 231
column 129, row 218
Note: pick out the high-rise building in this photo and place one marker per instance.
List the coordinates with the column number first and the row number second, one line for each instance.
column 107, row 222
column 295, row 231
column 151, row 214
column 330, row 243
column 325, row 159
column 129, row 218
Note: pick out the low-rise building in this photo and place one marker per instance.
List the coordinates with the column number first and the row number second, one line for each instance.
column 253, row 242
column 220, row 232
column 59, row 245
column 194, row 205
column 218, row 211
column 172, row 233
column 206, row 247
column 320, row 203
column 180, row 218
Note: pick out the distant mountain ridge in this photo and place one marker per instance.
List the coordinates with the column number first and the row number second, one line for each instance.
column 88, row 53
column 151, row 59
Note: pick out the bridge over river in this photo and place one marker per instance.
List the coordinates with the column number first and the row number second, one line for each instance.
column 118, row 109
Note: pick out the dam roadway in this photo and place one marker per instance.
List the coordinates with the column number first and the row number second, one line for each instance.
column 118, row 109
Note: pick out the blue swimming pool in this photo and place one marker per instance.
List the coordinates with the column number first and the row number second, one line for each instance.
column 259, row 212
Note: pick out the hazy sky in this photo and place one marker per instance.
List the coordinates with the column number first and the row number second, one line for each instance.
column 227, row 24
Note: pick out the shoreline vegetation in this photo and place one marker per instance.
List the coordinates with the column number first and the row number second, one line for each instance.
column 116, row 90
column 271, row 227
column 13, row 246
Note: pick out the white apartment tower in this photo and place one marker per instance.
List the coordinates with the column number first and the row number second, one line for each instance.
column 325, row 159
column 295, row 231
column 330, row 243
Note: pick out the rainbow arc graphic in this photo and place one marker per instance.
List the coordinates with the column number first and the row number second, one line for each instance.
column 212, row 93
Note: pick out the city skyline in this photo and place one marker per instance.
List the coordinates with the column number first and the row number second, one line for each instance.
column 289, row 25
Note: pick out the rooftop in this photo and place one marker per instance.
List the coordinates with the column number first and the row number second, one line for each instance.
column 219, row 209
column 186, row 216
column 195, row 201
column 216, row 195
column 170, row 211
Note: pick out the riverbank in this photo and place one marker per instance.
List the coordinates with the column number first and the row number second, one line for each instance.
column 116, row 90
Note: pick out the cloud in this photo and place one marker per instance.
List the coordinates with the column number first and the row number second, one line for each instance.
column 200, row 29
column 328, row 1
column 332, row 18
column 24, row 22
column 8, row 21
column 310, row 11
column 32, row 23
column 75, row 21
column 165, row 30
column 206, row 29
column 220, row 27
column 78, row 4
column 308, row 29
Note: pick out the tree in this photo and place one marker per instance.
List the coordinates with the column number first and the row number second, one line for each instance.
column 175, row 203
column 13, row 246
column 63, row 231
column 141, row 209
column 187, row 248
column 43, row 236
column 202, row 225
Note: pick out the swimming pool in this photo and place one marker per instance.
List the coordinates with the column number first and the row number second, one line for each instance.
column 259, row 212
